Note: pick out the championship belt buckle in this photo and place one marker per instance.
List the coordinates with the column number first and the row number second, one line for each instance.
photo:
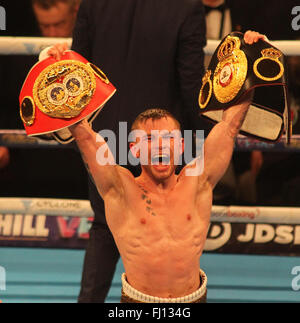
column 231, row 70
column 64, row 89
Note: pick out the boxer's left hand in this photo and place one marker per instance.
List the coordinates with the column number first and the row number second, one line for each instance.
column 58, row 50
column 80, row 129
column 251, row 37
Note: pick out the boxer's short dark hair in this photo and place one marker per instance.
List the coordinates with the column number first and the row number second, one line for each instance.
column 154, row 114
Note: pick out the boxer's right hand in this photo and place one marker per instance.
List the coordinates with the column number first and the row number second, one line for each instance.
column 57, row 50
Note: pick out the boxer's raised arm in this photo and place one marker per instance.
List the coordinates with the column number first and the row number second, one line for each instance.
column 103, row 171
column 219, row 144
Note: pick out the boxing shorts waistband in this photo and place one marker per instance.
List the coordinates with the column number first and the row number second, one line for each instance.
column 134, row 294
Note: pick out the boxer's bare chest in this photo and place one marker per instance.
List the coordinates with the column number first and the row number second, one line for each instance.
column 176, row 212
column 163, row 206
column 180, row 212
column 156, row 224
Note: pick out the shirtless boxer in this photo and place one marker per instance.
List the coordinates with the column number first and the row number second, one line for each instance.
column 160, row 220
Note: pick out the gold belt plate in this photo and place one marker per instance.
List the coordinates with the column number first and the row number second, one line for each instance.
column 229, row 76
column 64, row 89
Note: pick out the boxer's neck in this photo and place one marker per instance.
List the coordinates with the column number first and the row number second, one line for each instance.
column 156, row 186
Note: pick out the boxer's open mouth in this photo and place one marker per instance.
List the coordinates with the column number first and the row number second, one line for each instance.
column 160, row 158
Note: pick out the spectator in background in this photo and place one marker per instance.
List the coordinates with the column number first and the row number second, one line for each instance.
column 224, row 16
column 15, row 26
column 53, row 18
column 46, row 18
column 152, row 51
column 279, row 179
column 278, row 182
column 292, row 181
column 56, row 18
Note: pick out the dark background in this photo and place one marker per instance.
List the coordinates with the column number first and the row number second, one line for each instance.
column 60, row 173
column 56, row 173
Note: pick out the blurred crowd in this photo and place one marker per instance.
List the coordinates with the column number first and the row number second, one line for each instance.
column 253, row 178
column 35, row 172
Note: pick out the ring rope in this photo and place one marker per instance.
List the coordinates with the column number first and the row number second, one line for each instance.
column 19, row 139
column 82, row 208
column 28, row 45
column 34, row 45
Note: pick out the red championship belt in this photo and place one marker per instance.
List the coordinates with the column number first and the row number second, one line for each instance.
column 57, row 94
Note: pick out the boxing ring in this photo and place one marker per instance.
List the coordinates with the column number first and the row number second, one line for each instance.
column 252, row 253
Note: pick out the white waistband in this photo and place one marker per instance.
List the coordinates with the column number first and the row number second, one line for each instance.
column 144, row 298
